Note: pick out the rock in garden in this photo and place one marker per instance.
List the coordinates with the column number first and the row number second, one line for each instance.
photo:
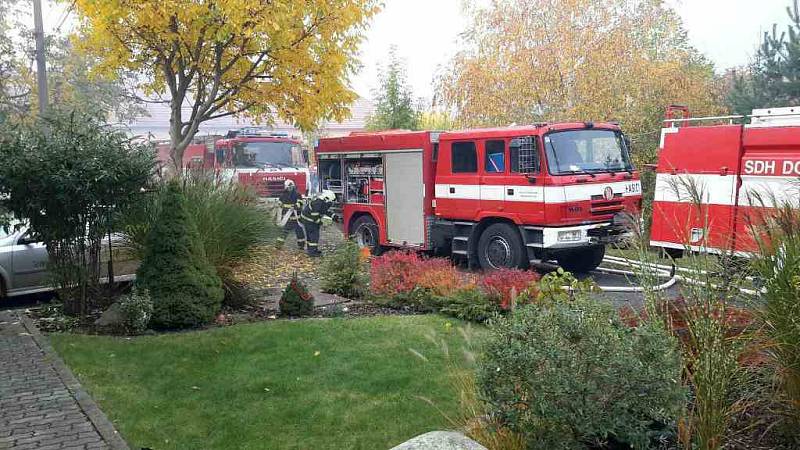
column 111, row 318
column 440, row 440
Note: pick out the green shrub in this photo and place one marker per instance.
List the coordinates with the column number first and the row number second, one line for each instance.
column 68, row 175
column 184, row 286
column 136, row 309
column 296, row 301
column 469, row 304
column 568, row 375
column 229, row 220
column 343, row 272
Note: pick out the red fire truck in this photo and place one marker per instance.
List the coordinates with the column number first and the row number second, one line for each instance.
column 253, row 156
column 264, row 160
column 715, row 181
column 501, row 197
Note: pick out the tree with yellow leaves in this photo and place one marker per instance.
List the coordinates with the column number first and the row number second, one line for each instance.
column 546, row 60
column 289, row 59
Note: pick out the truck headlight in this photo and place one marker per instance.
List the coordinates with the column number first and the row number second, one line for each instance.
column 570, row 236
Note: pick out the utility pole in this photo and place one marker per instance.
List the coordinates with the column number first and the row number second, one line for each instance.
column 41, row 67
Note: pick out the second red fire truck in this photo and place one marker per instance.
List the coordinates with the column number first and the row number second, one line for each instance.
column 501, row 197
column 253, row 156
column 718, row 178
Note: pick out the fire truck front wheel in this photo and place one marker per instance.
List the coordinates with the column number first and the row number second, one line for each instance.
column 500, row 246
column 581, row 260
column 365, row 232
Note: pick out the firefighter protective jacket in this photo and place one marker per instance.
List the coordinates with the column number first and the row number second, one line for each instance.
column 314, row 210
column 290, row 198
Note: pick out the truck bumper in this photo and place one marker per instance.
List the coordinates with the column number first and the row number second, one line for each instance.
column 575, row 236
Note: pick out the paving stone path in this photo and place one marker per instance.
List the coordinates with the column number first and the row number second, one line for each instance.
column 42, row 406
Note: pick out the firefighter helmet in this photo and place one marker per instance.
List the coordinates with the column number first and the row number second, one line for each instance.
column 288, row 184
column 328, row 196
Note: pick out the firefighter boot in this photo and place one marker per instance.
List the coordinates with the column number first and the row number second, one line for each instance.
column 301, row 244
column 313, row 250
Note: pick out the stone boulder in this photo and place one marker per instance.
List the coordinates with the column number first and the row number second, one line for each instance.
column 440, row 440
column 111, row 319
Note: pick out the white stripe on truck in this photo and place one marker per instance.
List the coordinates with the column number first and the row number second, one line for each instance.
column 535, row 194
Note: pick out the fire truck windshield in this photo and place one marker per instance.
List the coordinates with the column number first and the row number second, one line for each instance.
column 264, row 154
column 586, row 151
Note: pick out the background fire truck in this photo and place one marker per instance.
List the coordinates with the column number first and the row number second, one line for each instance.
column 714, row 183
column 253, row 156
column 502, row 197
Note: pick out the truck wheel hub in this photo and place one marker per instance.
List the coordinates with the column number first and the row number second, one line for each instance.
column 498, row 252
column 365, row 237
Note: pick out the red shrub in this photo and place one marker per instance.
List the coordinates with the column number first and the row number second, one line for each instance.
column 397, row 272
column 499, row 283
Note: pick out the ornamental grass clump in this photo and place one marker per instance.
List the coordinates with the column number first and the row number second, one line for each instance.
column 184, row 286
column 778, row 264
column 296, row 301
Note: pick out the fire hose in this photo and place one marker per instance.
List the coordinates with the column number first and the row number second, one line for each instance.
column 673, row 273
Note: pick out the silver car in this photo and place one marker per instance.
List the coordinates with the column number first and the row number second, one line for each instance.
column 23, row 263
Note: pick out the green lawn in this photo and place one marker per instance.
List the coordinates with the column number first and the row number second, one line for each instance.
column 264, row 386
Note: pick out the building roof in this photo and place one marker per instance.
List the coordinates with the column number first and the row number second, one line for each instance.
column 156, row 122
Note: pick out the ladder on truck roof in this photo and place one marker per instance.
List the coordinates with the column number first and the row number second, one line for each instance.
column 766, row 117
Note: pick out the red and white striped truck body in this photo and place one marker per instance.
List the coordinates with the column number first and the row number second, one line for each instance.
column 499, row 197
column 736, row 173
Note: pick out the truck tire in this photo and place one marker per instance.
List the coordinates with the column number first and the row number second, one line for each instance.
column 500, row 246
column 366, row 234
column 581, row 260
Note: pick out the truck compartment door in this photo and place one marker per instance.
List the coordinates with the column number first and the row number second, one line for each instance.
column 404, row 191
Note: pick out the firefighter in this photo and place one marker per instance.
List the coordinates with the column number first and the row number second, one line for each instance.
column 311, row 219
column 291, row 204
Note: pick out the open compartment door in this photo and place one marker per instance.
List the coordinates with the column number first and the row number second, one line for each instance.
column 404, row 190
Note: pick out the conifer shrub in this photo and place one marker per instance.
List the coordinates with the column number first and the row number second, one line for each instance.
column 185, row 288
column 296, row 301
column 344, row 273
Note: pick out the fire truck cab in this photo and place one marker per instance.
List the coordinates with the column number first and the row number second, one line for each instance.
column 503, row 197
column 264, row 160
column 717, row 178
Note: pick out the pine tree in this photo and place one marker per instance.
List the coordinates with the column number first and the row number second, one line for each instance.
column 773, row 78
column 184, row 286
column 394, row 99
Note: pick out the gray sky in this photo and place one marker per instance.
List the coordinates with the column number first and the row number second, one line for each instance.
column 426, row 34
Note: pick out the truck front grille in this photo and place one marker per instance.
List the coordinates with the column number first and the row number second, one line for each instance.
column 603, row 207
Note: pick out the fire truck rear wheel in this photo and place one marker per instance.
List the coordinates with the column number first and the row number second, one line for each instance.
column 500, row 246
column 366, row 234
column 582, row 260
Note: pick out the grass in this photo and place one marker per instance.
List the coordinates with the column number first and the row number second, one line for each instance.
column 265, row 386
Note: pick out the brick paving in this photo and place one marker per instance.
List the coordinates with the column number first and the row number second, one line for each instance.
column 42, row 406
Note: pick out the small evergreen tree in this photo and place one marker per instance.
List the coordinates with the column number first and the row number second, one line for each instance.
column 394, row 105
column 296, row 301
column 184, row 286
column 344, row 273
column 773, row 78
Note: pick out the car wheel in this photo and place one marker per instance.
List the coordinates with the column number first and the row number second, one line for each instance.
column 366, row 234
column 581, row 260
column 500, row 247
